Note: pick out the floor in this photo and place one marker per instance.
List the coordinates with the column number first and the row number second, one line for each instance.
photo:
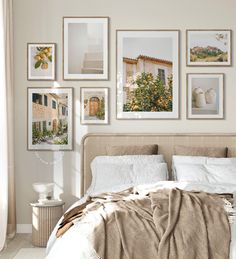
column 13, row 246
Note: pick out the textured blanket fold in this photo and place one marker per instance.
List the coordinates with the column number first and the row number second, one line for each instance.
column 165, row 224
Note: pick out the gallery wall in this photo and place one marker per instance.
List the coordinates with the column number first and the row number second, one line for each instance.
column 41, row 21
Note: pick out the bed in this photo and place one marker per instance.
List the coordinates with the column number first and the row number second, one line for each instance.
column 94, row 145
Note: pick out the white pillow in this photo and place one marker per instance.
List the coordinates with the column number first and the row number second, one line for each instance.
column 206, row 173
column 191, row 173
column 108, row 177
column 222, row 173
column 192, row 160
column 149, row 173
column 116, row 173
column 189, row 160
column 221, row 161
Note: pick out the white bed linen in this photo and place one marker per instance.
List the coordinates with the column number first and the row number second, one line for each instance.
column 52, row 239
column 73, row 244
column 123, row 172
column 208, row 173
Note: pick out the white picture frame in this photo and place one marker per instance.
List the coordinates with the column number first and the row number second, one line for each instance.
column 205, row 96
column 41, row 61
column 94, row 103
column 85, row 48
column 209, row 47
column 50, row 118
column 137, row 48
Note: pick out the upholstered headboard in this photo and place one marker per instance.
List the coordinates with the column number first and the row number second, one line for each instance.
column 95, row 145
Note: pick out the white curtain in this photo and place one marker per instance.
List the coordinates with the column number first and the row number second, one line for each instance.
column 7, row 199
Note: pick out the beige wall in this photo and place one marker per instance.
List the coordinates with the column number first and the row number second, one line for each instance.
column 41, row 21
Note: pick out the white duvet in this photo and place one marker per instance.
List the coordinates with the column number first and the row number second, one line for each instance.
column 74, row 245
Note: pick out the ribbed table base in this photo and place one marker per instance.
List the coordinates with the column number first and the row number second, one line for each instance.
column 44, row 220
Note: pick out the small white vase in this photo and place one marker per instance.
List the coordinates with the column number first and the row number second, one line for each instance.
column 210, row 96
column 200, row 100
column 195, row 92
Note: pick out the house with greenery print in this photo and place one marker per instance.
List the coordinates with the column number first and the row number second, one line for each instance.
column 147, row 84
column 50, row 118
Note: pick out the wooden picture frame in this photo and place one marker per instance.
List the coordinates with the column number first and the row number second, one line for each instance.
column 50, row 118
column 205, row 95
column 41, row 61
column 87, row 59
column 143, row 58
column 209, row 47
column 94, row 103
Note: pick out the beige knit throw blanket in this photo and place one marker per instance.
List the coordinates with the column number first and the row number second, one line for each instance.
column 165, row 224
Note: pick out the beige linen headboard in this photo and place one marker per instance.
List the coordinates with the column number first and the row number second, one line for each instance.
column 95, row 145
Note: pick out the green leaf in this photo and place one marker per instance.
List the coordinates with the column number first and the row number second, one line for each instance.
column 37, row 64
column 50, row 58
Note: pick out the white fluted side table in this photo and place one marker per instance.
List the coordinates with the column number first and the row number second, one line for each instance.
column 44, row 219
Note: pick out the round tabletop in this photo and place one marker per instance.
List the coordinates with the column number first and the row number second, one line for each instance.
column 49, row 203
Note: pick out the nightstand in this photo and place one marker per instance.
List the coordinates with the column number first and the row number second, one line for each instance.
column 44, row 219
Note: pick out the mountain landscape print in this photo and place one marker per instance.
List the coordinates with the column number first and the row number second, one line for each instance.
column 209, row 48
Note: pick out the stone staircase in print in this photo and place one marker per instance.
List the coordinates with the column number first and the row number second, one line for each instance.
column 93, row 60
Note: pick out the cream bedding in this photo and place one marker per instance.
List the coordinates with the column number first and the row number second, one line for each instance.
column 161, row 225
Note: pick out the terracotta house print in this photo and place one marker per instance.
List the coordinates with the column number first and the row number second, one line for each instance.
column 50, row 112
column 94, row 105
column 133, row 67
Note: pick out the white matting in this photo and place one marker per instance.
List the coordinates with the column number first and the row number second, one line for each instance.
column 29, row 253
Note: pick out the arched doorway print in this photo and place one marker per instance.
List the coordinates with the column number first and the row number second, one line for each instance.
column 93, row 106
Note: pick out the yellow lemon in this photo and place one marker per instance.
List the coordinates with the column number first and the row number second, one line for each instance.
column 44, row 66
column 37, row 57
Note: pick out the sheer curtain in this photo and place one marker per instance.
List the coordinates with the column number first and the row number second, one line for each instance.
column 7, row 195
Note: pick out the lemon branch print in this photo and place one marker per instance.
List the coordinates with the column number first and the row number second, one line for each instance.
column 43, row 57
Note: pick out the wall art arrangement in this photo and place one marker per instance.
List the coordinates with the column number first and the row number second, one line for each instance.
column 94, row 105
column 85, row 48
column 208, row 47
column 147, row 65
column 147, row 74
column 41, row 61
column 50, row 118
column 205, row 93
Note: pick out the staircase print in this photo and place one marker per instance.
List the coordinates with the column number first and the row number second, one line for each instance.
column 93, row 60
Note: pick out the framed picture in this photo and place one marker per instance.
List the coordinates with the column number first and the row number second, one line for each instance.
column 147, row 74
column 94, row 105
column 41, row 63
column 205, row 94
column 85, row 48
column 50, row 113
column 208, row 47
